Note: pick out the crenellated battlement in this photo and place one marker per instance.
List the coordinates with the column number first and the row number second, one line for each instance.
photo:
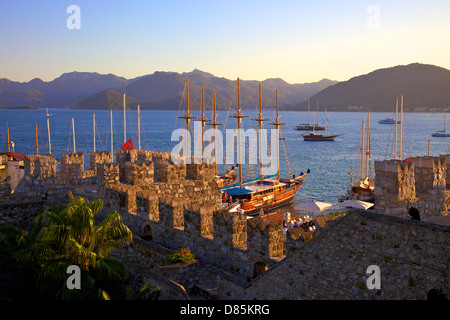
column 179, row 205
column 217, row 235
column 99, row 157
column 420, row 182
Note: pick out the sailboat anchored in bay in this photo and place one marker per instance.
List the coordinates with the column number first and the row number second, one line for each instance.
column 265, row 192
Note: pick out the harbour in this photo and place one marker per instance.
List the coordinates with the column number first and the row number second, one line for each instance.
column 329, row 162
column 201, row 156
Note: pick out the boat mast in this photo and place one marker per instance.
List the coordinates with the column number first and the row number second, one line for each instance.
column 277, row 123
column 239, row 116
column 309, row 108
column 260, row 119
column 139, row 126
column 203, row 120
column 111, row 121
column 48, row 133
column 361, row 173
column 215, row 124
column 36, row 134
column 93, row 124
column 317, row 114
column 401, row 128
column 187, row 117
column 367, row 145
column 396, row 116
column 7, row 138
column 239, row 133
column 73, row 135
column 124, row 121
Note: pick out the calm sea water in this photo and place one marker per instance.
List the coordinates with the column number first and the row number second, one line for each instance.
column 329, row 161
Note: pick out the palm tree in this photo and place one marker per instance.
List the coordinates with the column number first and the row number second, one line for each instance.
column 64, row 236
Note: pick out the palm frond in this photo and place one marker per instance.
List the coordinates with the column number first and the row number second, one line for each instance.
column 96, row 206
column 80, row 255
column 110, row 268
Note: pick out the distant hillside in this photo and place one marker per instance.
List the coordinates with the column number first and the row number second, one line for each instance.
column 425, row 88
column 166, row 90
column 62, row 92
column 106, row 99
column 160, row 90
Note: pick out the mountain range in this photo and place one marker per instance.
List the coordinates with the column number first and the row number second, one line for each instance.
column 425, row 88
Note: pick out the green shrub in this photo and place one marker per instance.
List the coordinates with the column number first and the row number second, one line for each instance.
column 181, row 255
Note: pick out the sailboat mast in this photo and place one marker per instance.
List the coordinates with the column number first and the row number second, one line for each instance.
column 317, row 113
column 111, row 123
column 396, row 117
column 309, row 109
column 325, row 121
column 239, row 133
column 7, row 139
column 278, row 141
column 48, row 133
column 361, row 173
column 187, row 117
column 93, row 124
column 124, row 121
column 277, row 125
column 73, row 136
column 203, row 122
column 214, row 124
column 367, row 145
column 260, row 134
column 36, row 134
column 401, row 128
column 139, row 126
column 260, row 119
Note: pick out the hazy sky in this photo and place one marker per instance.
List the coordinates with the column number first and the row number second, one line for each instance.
column 299, row 41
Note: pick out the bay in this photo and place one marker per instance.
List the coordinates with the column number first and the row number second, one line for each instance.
column 329, row 161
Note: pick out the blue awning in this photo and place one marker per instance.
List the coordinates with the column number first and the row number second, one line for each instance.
column 237, row 191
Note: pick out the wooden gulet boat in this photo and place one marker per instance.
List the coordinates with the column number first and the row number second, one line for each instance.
column 313, row 136
column 309, row 126
column 265, row 193
column 363, row 188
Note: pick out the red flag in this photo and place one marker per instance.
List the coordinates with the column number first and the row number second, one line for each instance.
column 407, row 159
column 367, row 153
column 127, row 145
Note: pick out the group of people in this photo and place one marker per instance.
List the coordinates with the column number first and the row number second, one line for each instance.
column 306, row 222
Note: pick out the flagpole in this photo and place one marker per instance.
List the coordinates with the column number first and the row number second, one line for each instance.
column 112, row 148
column 139, row 128
column 124, row 121
column 93, row 122
column 73, row 131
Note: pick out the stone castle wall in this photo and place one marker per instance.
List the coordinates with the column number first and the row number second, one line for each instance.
column 216, row 236
column 421, row 182
column 412, row 257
